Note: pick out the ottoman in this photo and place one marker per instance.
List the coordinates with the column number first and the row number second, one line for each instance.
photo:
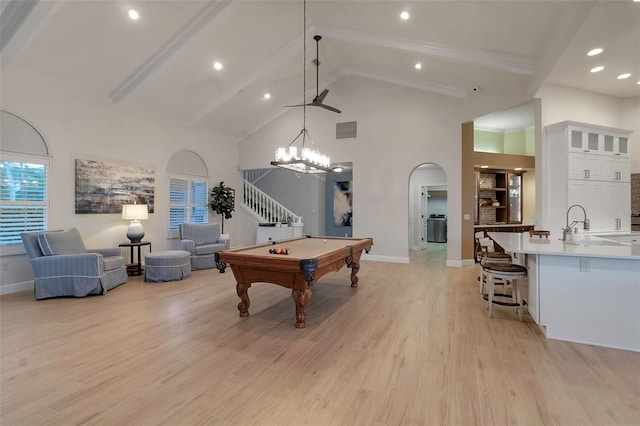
column 170, row 265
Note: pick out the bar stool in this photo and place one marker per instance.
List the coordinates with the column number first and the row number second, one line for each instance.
column 508, row 273
column 487, row 254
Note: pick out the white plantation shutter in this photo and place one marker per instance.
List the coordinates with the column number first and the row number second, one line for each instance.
column 199, row 202
column 24, row 199
column 188, row 202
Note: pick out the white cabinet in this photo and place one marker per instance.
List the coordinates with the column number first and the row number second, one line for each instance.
column 615, row 168
column 589, row 196
column 278, row 233
column 616, row 206
column 615, row 145
column 587, row 165
column 584, row 140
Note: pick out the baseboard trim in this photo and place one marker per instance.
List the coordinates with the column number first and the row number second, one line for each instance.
column 460, row 263
column 16, row 287
column 390, row 259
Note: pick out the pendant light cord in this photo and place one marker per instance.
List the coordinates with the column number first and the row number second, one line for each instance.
column 304, row 69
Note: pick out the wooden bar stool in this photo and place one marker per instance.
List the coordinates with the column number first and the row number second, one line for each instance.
column 508, row 273
column 487, row 254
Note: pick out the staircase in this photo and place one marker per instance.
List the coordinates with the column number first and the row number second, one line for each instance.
column 260, row 205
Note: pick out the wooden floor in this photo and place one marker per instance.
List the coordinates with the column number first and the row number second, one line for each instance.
column 411, row 346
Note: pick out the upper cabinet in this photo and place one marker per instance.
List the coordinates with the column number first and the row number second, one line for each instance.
column 498, row 197
column 587, row 165
column 583, row 140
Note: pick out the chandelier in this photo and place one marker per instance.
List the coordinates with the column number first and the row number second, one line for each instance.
column 309, row 159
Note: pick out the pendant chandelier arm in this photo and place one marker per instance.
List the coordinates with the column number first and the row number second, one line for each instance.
column 302, row 133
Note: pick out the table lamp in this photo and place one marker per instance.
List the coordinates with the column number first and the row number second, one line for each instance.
column 135, row 213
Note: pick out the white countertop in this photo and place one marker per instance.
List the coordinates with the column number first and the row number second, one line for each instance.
column 501, row 225
column 589, row 246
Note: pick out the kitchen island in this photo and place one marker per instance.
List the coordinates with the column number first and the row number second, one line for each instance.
column 585, row 291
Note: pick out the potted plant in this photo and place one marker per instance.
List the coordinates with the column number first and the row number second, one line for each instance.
column 223, row 201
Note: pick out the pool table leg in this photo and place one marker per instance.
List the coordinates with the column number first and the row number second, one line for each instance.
column 243, row 306
column 355, row 267
column 301, row 297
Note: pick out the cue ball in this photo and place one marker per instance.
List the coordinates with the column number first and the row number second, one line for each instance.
column 324, row 241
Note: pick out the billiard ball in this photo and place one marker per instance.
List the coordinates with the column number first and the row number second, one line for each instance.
column 324, row 241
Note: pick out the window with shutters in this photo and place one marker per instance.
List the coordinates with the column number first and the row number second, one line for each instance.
column 188, row 201
column 24, row 200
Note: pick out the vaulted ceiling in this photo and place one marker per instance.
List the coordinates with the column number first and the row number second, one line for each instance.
column 164, row 60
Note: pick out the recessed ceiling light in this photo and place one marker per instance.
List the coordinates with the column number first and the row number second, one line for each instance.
column 597, row 69
column 337, row 169
column 638, row 82
column 623, row 76
column 518, row 168
column 217, row 65
column 418, row 66
column 267, row 95
column 594, row 52
column 484, row 167
column 404, row 15
column 133, row 14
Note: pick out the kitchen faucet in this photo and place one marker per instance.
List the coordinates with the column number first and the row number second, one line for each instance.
column 585, row 222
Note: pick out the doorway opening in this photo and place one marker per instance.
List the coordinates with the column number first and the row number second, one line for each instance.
column 428, row 207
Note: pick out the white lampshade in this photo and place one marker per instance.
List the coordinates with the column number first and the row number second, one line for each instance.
column 135, row 212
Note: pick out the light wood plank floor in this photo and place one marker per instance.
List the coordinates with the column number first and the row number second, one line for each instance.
column 411, row 346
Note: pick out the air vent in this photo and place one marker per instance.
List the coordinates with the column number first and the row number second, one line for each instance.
column 347, row 130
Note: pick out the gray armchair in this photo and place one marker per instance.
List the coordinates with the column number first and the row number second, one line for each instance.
column 202, row 241
column 62, row 266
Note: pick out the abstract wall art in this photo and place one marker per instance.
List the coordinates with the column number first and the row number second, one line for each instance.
column 342, row 203
column 105, row 187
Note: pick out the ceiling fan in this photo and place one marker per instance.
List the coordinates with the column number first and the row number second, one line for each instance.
column 318, row 100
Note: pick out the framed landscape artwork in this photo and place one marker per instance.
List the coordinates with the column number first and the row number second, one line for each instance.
column 105, row 187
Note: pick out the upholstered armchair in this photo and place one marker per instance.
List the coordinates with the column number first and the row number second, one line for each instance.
column 62, row 266
column 202, row 241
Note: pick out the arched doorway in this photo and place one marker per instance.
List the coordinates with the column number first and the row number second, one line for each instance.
column 427, row 206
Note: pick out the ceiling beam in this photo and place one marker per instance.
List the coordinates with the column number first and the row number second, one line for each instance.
column 13, row 15
column 191, row 28
column 509, row 62
column 19, row 22
column 426, row 87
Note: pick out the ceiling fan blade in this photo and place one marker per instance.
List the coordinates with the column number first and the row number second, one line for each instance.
column 321, row 96
column 289, row 106
column 330, row 108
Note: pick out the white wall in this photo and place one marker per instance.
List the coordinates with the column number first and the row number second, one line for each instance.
column 300, row 193
column 398, row 129
column 96, row 129
column 630, row 119
column 560, row 103
column 529, row 197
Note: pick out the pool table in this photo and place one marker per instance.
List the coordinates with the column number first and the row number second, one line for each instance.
column 309, row 259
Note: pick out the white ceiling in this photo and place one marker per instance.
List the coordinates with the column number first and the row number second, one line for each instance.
column 164, row 60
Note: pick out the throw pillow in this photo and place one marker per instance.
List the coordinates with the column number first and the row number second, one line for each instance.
column 65, row 242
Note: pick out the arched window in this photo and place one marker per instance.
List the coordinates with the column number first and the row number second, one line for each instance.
column 188, row 190
column 24, row 174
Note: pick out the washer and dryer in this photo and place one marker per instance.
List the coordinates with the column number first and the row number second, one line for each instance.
column 437, row 228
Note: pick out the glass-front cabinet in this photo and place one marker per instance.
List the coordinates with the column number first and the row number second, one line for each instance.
column 514, row 190
column 498, row 197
